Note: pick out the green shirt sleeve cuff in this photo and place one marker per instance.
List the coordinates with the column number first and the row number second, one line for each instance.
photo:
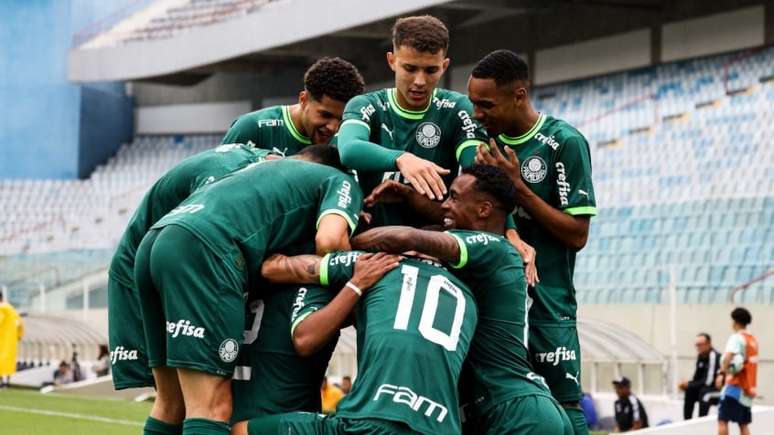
column 463, row 252
column 581, row 211
column 352, row 224
column 324, row 269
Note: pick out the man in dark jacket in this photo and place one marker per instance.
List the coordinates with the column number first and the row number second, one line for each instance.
column 629, row 412
column 700, row 388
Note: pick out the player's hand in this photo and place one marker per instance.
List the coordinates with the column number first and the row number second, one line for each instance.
column 528, row 255
column 388, row 192
column 719, row 381
column 683, row 385
column 366, row 217
column 370, row 268
column 424, row 175
column 493, row 157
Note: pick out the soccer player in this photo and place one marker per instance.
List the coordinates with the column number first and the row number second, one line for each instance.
column 328, row 84
column 270, row 377
column 125, row 335
column 508, row 398
column 415, row 132
column 740, row 367
column 196, row 263
column 550, row 165
column 414, row 328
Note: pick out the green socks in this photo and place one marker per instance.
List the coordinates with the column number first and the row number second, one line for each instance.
column 158, row 427
column 202, row 426
column 578, row 420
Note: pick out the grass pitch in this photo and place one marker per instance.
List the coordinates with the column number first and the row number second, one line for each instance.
column 24, row 412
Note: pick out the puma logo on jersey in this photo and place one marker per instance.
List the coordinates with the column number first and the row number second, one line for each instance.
column 366, row 112
column 468, row 126
column 389, row 132
column 572, row 378
column 406, row 396
column 562, row 184
column 481, row 238
column 345, row 194
column 121, row 354
column 583, row 192
column 547, row 140
column 226, row 147
column 553, row 358
column 522, row 213
column 184, row 327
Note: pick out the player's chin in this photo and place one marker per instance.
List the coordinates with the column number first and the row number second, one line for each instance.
column 322, row 138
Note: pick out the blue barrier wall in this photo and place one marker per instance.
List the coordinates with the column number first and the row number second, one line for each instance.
column 49, row 127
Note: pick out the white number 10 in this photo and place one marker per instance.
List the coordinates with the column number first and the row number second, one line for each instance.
column 430, row 308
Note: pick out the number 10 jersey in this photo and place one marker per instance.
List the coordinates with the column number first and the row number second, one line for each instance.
column 414, row 329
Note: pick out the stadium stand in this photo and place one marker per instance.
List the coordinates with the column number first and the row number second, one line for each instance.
column 682, row 171
column 167, row 19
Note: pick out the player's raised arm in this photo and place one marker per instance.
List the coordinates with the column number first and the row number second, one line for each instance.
column 340, row 206
column 313, row 330
column 359, row 153
column 571, row 229
column 399, row 239
column 299, row 269
column 394, row 192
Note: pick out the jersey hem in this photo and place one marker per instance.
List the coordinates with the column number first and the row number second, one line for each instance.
column 200, row 367
column 495, row 402
column 553, row 323
column 581, row 211
column 463, row 252
column 356, row 122
column 352, row 224
column 380, row 416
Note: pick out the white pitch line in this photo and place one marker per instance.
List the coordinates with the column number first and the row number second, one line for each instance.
column 71, row 415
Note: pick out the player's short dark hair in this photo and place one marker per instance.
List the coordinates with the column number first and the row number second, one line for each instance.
column 504, row 66
column 334, row 77
column 323, row 154
column 496, row 183
column 706, row 336
column 741, row 316
column 424, row 33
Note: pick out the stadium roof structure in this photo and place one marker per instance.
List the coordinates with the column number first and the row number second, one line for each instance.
column 606, row 343
column 269, row 34
column 44, row 331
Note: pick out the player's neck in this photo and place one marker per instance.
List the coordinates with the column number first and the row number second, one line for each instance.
column 523, row 122
column 295, row 116
column 494, row 225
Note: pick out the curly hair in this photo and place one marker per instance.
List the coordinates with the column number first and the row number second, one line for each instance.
column 424, row 33
column 504, row 66
column 334, row 77
column 494, row 182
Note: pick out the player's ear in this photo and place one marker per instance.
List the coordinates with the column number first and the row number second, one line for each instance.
column 485, row 209
column 303, row 98
column 391, row 60
column 445, row 65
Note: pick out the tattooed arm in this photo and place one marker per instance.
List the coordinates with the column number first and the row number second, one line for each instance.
column 397, row 239
column 299, row 269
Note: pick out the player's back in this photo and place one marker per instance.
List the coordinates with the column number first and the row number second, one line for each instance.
column 498, row 357
column 414, row 330
column 266, row 207
column 171, row 189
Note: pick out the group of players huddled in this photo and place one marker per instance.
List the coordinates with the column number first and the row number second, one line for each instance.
column 444, row 227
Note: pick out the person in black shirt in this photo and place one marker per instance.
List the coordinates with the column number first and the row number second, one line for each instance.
column 629, row 412
column 700, row 388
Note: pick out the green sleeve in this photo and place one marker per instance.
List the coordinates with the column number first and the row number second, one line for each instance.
column 243, row 130
column 468, row 135
column 356, row 150
column 510, row 223
column 337, row 268
column 480, row 252
column 341, row 195
column 308, row 300
column 575, row 191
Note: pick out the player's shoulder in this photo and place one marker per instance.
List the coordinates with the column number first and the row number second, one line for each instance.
column 446, row 100
column 562, row 132
column 379, row 96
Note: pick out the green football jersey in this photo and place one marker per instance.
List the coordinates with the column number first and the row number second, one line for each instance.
column 266, row 208
column 556, row 166
column 170, row 190
column 270, row 128
column 498, row 357
column 414, row 329
column 444, row 133
column 270, row 377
